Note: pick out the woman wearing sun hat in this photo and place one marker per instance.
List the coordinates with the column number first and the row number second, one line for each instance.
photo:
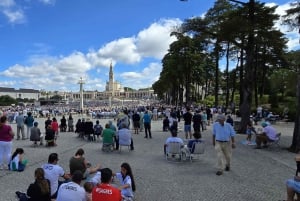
column 268, row 134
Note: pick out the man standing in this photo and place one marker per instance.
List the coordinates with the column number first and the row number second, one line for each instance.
column 29, row 123
column 197, row 120
column 223, row 140
column 187, row 117
column 136, row 122
column 147, row 124
column 47, row 123
column 105, row 191
column 20, row 125
column 72, row 191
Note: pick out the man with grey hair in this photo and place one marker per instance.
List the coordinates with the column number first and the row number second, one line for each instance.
column 124, row 136
column 223, row 141
column 20, row 125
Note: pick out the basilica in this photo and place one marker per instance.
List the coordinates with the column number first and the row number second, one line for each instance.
column 113, row 89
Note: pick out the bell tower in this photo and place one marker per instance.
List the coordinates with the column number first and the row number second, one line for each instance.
column 111, row 78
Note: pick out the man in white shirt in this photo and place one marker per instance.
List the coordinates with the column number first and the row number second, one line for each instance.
column 72, row 191
column 53, row 172
column 173, row 138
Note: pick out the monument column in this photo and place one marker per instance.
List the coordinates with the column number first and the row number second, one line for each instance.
column 81, row 82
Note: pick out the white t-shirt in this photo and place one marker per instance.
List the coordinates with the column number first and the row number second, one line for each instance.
column 71, row 191
column 16, row 161
column 96, row 179
column 52, row 173
column 127, row 192
column 174, row 139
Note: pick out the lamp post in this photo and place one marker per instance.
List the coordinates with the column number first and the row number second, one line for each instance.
column 81, row 82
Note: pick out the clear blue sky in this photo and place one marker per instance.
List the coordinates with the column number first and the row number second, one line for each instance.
column 50, row 44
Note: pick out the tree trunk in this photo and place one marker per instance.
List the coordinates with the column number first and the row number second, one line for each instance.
column 227, row 76
column 245, row 107
column 217, row 75
column 295, row 146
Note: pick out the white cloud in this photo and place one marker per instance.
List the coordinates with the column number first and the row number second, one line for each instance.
column 7, row 3
column 123, row 50
column 15, row 13
column 155, row 40
column 62, row 72
column 142, row 79
column 14, row 16
column 48, row 2
column 9, row 84
column 293, row 36
column 74, row 63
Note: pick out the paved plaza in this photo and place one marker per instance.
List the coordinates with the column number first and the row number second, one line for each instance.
column 256, row 175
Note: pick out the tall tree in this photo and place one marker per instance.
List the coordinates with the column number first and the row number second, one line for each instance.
column 292, row 18
column 293, row 59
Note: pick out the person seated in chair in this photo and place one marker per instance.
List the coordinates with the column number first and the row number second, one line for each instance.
column 124, row 136
column 166, row 123
column 293, row 184
column 190, row 145
column 49, row 137
column 36, row 135
column 268, row 135
column 108, row 138
column 173, row 138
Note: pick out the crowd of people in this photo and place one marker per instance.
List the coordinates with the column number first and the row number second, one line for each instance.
column 96, row 181
column 82, row 183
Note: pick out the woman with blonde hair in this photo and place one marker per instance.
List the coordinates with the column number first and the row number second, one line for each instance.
column 40, row 189
column 37, row 191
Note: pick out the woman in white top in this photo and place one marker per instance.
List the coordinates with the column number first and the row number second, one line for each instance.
column 17, row 163
column 127, row 184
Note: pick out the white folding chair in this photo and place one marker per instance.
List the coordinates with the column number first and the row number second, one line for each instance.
column 199, row 148
column 173, row 149
column 275, row 142
column 124, row 145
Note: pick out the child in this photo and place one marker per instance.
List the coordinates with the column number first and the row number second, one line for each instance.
column 249, row 131
column 88, row 187
column 127, row 182
column 17, row 163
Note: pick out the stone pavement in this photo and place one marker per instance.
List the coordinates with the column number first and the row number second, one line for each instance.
column 256, row 175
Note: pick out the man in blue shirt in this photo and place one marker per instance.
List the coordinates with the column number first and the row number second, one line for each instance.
column 223, row 140
column 147, row 124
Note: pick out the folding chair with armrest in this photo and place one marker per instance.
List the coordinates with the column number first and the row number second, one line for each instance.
column 275, row 142
column 197, row 149
column 173, row 149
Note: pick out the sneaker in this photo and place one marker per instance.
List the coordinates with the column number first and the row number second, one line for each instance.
column 18, row 194
column 227, row 168
column 219, row 173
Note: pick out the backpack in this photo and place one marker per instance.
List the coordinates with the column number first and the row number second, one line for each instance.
column 98, row 129
column 175, row 125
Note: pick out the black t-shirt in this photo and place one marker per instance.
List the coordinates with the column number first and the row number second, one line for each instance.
column 187, row 118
